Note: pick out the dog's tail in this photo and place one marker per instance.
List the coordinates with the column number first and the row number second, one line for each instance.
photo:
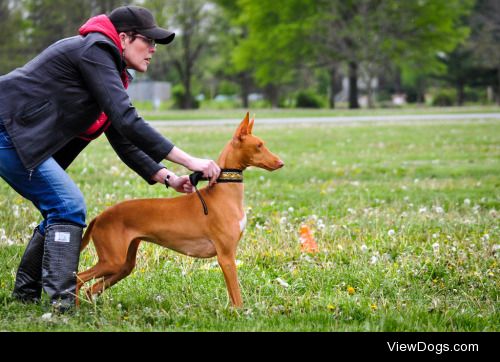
column 88, row 234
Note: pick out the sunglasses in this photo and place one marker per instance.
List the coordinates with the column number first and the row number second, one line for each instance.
column 150, row 42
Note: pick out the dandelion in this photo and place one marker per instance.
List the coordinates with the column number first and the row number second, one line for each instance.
column 422, row 210
column 467, row 202
column 391, row 232
column 283, row 220
column 351, row 211
column 373, row 259
column 351, row 290
column 291, row 209
column 364, row 248
column 435, row 236
column 262, row 178
column 282, row 283
column 330, row 307
column 485, row 237
column 439, row 210
column 435, row 247
column 373, row 307
column 496, row 248
column 47, row 316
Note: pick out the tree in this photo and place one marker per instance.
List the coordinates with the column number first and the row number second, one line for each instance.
column 276, row 45
column 193, row 21
column 230, row 32
column 485, row 38
column 12, row 26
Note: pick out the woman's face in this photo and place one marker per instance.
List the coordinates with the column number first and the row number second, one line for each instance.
column 137, row 51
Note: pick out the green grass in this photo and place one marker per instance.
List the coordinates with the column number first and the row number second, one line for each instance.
column 406, row 215
column 236, row 114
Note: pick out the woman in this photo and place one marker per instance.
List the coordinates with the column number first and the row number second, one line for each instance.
column 50, row 109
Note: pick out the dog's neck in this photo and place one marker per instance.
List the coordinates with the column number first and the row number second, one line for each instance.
column 228, row 159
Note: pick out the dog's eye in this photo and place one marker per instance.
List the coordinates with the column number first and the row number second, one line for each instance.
column 259, row 146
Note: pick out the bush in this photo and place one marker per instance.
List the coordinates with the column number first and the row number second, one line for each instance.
column 178, row 94
column 444, row 98
column 306, row 99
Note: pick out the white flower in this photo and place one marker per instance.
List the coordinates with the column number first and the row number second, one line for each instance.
column 291, row 209
column 283, row 220
column 262, row 178
column 467, row 202
column 496, row 248
column 435, row 247
column 435, row 236
column 282, row 283
column 364, row 248
column 391, row 232
column 422, row 210
column 373, row 259
column 485, row 237
column 47, row 316
column 351, row 211
column 439, row 209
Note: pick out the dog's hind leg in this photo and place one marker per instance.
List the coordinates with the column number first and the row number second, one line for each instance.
column 111, row 277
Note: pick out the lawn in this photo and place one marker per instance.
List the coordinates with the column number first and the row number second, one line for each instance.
column 405, row 218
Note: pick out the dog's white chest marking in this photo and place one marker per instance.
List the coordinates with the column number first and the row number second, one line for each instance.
column 243, row 222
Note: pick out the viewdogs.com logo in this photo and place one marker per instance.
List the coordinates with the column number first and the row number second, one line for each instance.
column 437, row 348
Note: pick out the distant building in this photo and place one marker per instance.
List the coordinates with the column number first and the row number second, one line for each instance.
column 147, row 90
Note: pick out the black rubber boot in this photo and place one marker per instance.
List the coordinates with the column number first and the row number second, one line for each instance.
column 60, row 264
column 28, row 286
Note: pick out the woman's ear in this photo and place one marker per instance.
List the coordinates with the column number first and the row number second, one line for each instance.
column 123, row 38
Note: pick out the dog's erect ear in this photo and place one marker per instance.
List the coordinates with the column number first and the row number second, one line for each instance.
column 250, row 124
column 242, row 128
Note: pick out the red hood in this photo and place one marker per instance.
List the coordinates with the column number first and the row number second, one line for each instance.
column 101, row 24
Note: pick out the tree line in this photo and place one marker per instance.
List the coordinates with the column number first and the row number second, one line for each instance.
column 292, row 50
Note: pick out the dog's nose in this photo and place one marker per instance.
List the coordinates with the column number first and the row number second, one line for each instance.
column 280, row 164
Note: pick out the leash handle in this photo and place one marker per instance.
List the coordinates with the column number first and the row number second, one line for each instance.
column 194, row 178
column 205, row 208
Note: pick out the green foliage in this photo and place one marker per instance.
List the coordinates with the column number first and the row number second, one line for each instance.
column 405, row 215
column 308, row 99
column 179, row 96
column 444, row 98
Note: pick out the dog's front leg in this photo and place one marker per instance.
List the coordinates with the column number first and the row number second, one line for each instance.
column 227, row 263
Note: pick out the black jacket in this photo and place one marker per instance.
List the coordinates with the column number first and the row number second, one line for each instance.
column 55, row 97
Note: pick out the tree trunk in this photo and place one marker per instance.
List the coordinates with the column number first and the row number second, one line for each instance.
column 245, row 89
column 498, row 85
column 353, row 85
column 460, row 93
column 370, row 94
column 272, row 95
column 187, row 101
column 333, row 88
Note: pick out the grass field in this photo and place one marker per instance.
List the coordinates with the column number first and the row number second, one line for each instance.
column 234, row 114
column 405, row 217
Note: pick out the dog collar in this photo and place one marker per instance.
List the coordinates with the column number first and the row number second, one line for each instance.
column 226, row 175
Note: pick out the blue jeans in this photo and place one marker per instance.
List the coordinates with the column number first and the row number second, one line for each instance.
column 48, row 186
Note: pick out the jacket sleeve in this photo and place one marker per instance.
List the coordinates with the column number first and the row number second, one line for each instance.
column 102, row 78
column 133, row 157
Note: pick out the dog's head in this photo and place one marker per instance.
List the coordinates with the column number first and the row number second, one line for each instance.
column 251, row 150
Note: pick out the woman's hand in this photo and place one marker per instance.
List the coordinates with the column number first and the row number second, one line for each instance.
column 209, row 168
column 181, row 184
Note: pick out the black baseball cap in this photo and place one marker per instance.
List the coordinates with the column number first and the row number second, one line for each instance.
column 141, row 21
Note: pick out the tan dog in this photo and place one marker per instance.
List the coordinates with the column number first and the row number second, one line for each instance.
column 180, row 223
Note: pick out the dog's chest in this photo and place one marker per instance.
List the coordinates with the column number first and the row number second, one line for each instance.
column 243, row 222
